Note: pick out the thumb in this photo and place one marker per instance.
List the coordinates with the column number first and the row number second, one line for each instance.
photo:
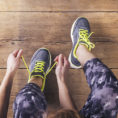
column 20, row 53
column 56, row 58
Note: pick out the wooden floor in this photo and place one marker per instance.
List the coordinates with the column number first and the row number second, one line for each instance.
column 32, row 24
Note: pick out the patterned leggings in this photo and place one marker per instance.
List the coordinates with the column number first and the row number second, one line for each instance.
column 102, row 102
column 103, row 99
column 30, row 103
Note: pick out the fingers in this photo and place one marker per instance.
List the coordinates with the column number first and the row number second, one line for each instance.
column 59, row 59
column 15, row 52
column 56, row 58
column 62, row 60
column 66, row 63
column 20, row 53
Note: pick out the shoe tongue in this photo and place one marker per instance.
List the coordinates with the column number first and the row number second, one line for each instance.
column 37, row 74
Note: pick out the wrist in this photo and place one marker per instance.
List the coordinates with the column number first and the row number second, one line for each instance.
column 61, row 82
column 62, row 86
column 60, row 79
column 10, row 73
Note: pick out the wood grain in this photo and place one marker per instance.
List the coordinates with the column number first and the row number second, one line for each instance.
column 55, row 27
column 58, row 5
column 31, row 31
column 106, row 51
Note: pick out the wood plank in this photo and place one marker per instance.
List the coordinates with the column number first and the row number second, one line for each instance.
column 31, row 31
column 55, row 27
column 58, row 5
column 106, row 51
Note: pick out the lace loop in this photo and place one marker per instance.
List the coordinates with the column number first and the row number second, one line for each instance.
column 84, row 37
column 39, row 66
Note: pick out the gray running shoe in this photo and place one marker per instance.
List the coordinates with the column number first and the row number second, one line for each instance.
column 80, row 33
column 40, row 63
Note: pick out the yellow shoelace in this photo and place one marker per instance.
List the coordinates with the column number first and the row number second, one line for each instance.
column 85, row 38
column 39, row 67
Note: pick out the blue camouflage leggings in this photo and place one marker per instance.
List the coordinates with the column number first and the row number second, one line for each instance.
column 30, row 103
column 101, row 103
column 103, row 99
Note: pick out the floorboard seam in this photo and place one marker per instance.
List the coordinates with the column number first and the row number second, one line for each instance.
column 65, row 11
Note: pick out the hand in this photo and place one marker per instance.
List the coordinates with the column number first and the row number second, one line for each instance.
column 61, row 67
column 13, row 61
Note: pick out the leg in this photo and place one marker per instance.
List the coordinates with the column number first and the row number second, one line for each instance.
column 103, row 100
column 84, row 54
column 30, row 101
column 36, row 80
column 97, row 67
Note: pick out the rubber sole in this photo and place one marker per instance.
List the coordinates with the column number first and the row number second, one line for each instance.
column 71, row 64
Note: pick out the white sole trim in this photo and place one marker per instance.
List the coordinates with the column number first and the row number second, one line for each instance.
column 69, row 58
